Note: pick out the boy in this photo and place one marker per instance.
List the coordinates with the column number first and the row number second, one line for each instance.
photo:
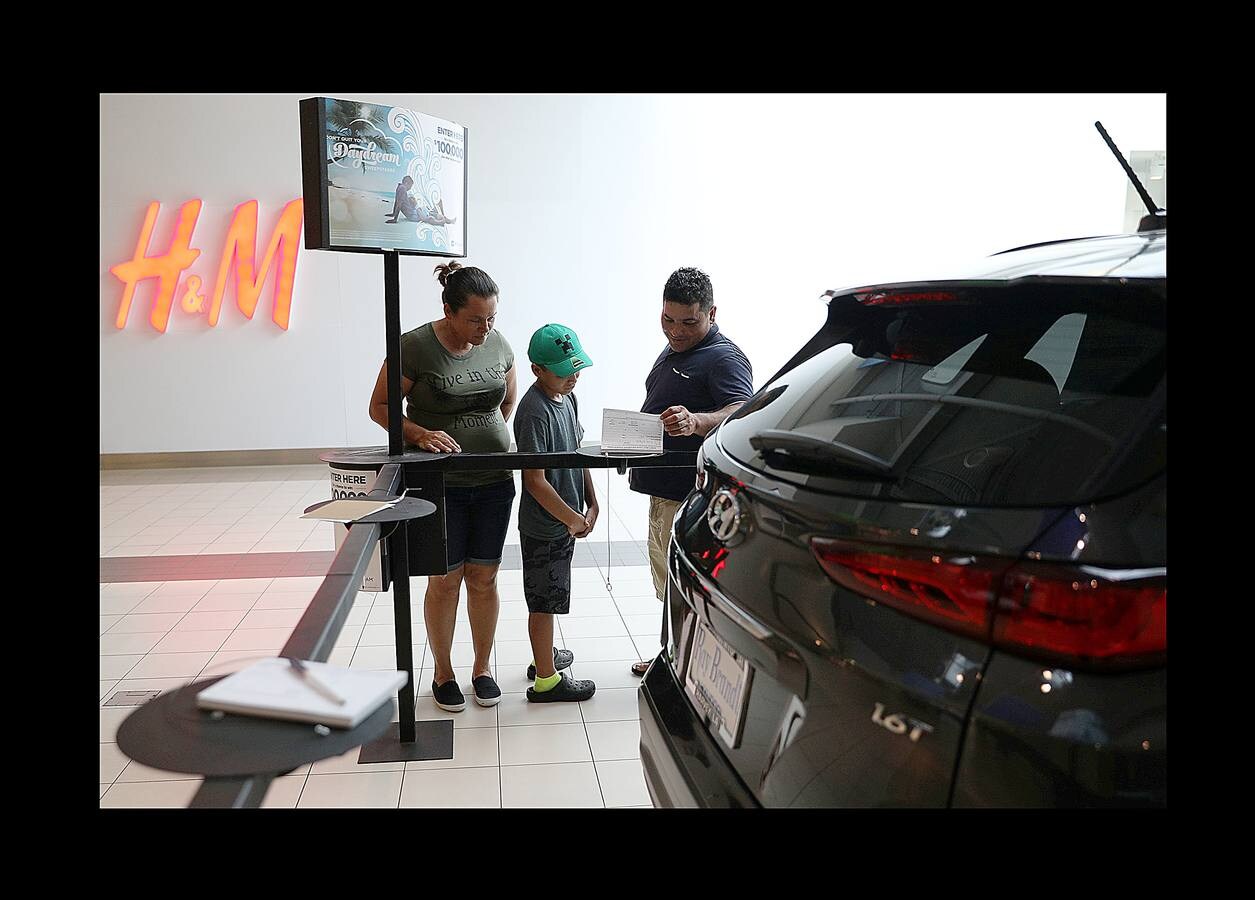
column 552, row 510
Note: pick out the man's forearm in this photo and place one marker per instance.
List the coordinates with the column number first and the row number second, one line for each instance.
column 705, row 423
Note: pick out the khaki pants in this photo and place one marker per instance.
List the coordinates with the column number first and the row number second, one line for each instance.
column 661, row 512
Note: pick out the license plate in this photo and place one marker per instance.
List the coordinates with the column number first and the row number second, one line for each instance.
column 717, row 680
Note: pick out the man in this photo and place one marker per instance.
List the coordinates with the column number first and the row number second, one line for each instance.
column 700, row 379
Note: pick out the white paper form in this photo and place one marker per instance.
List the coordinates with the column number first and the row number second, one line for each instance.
column 625, row 431
column 350, row 509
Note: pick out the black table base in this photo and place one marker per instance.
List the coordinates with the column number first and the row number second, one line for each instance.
column 433, row 739
column 172, row 733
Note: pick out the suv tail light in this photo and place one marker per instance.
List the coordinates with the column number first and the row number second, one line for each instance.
column 1082, row 612
column 1057, row 611
column 949, row 590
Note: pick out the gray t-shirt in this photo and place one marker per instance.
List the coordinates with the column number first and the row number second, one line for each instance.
column 542, row 425
column 459, row 395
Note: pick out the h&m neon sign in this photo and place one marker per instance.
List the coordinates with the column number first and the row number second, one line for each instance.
column 240, row 247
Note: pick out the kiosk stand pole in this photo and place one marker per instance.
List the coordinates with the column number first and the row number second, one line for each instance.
column 398, row 546
column 398, row 541
column 436, row 741
column 392, row 324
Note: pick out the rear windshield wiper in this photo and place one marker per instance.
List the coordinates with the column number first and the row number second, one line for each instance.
column 995, row 405
column 790, row 450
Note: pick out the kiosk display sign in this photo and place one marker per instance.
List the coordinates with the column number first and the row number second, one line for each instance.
column 382, row 178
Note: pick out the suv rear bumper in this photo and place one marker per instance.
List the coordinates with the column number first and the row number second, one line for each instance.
column 683, row 765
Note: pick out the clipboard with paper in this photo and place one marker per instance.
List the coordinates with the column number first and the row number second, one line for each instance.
column 625, row 432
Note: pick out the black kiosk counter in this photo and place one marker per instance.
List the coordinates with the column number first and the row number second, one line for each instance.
column 417, row 547
column 424, row 479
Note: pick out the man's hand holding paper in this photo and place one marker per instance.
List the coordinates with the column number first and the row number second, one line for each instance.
column 678, row 421
column 626, row 431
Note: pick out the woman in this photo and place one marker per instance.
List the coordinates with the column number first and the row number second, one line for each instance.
column 403, row 202
column 457, row 375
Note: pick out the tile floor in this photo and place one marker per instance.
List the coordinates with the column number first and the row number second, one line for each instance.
column 161, row 634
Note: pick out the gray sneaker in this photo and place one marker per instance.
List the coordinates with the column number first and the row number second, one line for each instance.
column 562, row 659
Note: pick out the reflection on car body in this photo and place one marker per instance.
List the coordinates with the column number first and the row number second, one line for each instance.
column 933, row 546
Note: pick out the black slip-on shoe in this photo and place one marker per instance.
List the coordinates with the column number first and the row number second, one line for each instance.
column 486, row 691
column 562, row 659
column 448, row 696
column 568, row 689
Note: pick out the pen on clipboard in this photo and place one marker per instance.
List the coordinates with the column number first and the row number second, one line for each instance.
column 302, row 671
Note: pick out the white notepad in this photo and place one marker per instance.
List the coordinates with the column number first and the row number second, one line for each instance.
column 272, row 689
column 626, row 432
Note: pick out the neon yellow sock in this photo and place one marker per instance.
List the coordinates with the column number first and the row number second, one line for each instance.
column 547, row 684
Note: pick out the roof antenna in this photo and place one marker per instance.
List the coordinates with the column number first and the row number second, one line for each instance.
column 1156, row 217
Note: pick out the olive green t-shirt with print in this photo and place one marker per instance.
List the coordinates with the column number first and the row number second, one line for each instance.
column 459, row 395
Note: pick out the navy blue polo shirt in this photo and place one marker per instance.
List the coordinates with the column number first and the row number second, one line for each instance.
column 703, row 379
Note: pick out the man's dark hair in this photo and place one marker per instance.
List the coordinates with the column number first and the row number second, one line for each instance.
column 689, row 286
column 460, row 284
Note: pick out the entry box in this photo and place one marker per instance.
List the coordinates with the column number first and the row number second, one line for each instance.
column 347, row 483
column 426, row 535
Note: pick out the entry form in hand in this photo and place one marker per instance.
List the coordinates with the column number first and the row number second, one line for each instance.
column 625, row 431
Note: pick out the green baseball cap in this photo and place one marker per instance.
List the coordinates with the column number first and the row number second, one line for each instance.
column 558, row 349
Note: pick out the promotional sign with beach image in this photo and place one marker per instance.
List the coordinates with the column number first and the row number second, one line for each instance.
column 395, row 179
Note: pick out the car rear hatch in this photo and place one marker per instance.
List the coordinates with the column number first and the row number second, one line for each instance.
column 858, row 547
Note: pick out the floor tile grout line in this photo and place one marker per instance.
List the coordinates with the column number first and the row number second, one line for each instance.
column 171, row 630
column 610, row 591
column 582, row 721
column 500, row 773
column 207, row 487
column 404, row 764
column 592, row 757
column 172, row 627
column 304, row 784
column 120, row 771
column 234, row 630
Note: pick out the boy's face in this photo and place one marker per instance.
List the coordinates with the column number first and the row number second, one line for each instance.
column 555, row 384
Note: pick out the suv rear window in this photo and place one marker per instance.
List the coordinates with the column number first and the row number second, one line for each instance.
column 980, row 395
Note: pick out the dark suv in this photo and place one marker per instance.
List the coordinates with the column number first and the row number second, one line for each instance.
column 926, row 565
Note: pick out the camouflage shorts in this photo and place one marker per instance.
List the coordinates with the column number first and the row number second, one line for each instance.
column 547, row 574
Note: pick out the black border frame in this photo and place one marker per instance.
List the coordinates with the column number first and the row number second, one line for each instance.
column 313, row 116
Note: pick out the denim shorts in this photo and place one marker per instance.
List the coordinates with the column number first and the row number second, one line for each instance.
column 547, row 574
column 476, row 520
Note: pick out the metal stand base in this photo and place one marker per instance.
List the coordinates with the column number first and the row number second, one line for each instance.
column 174, row 734
column 433, row 739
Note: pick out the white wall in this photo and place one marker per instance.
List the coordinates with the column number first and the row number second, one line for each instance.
column 580, row 207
